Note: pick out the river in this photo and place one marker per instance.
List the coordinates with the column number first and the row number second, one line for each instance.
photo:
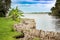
column 45, row 22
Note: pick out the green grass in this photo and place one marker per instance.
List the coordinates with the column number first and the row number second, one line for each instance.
column 6, row 27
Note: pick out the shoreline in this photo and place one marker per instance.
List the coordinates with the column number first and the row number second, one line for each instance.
column 28, row 27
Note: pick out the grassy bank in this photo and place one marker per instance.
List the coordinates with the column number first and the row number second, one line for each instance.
column 6, row 29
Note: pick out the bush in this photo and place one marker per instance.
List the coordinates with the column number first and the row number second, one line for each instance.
column 56, row 10
column 15, row 14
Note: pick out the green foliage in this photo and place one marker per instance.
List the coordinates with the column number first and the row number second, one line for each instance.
column 4, row 7
column 6, row 27
column 56, row 10
column 15, row 14
column 36, row 38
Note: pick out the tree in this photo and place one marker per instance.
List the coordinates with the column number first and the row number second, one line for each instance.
column 15, row 14
column 4, row 7
column 56, row 10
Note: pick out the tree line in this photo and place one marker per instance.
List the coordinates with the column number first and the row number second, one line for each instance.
column 56, row 10
column 4, row 7
column 6, row 4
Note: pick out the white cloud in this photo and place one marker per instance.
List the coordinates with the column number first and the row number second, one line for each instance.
column 34, row 7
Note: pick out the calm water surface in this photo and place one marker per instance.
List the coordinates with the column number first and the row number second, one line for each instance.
column 45, row 22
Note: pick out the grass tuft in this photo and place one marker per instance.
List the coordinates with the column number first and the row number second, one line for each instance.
column 6, row 26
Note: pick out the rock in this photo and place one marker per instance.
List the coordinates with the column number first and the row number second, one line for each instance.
column 34, row 32
column 42, row 34
column 28, row 27
column 26, row 24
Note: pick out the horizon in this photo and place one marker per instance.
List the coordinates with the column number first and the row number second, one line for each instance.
column 36, row 12
column 33, row 5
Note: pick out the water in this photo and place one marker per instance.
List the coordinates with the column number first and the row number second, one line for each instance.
column 45, row 22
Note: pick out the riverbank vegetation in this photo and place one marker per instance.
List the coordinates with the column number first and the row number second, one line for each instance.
column 38, row 13
column 15, row 14
column 7, row 22
column 4, row 7
column 6, row 29
column 56, row 10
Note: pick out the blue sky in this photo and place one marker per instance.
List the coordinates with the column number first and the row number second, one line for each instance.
column 33, row 5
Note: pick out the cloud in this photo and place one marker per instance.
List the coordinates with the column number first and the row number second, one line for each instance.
column 39, row 0
column 32, row 1
column 38, row 7
column 43, row 0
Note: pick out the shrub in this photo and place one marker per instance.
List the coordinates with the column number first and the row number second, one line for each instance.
column 56, row 10
column 15, row 14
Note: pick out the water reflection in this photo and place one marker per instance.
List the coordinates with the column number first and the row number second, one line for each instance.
column 57, row 25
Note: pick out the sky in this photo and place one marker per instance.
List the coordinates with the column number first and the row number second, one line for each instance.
column 33, row 5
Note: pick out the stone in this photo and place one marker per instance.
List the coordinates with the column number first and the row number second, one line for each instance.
column 25, row 24
column 28, row 27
